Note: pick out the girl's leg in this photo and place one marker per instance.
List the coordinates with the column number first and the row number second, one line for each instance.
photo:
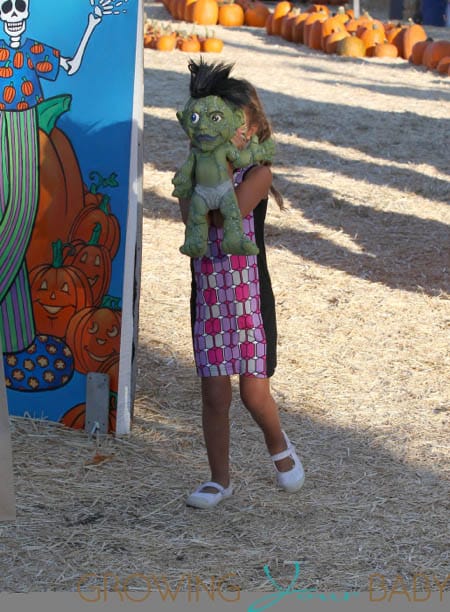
column 216, row 396
column 256, row 397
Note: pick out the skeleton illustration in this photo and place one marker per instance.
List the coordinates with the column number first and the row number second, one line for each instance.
column 15, row 13
column 23, row 64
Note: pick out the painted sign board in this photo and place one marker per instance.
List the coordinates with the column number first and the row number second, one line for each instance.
column 71, row 89
column 7, row 496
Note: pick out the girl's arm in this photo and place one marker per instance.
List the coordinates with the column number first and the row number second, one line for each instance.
column 254, row 188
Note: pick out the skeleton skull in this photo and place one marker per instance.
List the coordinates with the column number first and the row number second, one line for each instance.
column 14, row 14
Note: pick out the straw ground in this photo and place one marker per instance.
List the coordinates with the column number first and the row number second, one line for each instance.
column 360, row 264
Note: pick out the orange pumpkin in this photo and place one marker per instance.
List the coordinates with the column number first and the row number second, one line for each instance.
column 256, row 14
column 94, row 259
column 298, row 28
column 286, row 30
column 93, row 335
column 351, row 46
column 269, row 25
column 211, row 44
column 371, row 35
column 281, row 9
column 60, row 183
column 333, row 39
column 328, row 26
column 188, row 7
column 413, row 34
column 434, row 52
column 86, row 220
column 308, row 27
column 385, row 49
column 444, row 65
column 231, row 14
column 318, row 8
column 418, row 50
column 205, row 12
column 190, row 44
column 58, row 291
column 166, row 42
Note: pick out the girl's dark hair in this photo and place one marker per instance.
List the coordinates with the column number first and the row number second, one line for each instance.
column 215, row 80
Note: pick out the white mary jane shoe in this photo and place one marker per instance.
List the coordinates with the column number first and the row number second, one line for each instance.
column 200, row 499
column 293, row 479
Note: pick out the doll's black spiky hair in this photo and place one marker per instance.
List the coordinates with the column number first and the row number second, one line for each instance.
column 215, row 80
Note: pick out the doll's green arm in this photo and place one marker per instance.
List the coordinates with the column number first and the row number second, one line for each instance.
column 254, row 152
column 183, row 179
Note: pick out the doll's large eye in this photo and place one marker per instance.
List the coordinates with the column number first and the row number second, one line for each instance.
column 216, row 117
column 195, row 117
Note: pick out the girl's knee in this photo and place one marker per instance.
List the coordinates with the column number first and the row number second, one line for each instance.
column 253, row 396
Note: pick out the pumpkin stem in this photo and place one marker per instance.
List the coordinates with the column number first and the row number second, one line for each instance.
column 57, row 248
column 104, row 205
column 111, row 302
column 93, row 240
column 50, row 110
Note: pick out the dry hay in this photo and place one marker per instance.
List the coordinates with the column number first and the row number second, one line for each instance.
column 360, row 265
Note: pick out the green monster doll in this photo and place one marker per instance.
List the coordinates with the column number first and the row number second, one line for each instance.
column 210, row 118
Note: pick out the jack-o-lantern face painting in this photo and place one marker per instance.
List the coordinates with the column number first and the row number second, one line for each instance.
column 94, row 337
column 94, row 260
column 58, row 291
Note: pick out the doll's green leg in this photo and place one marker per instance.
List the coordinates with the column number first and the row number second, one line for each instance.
column 196, row 235
column 234, row 242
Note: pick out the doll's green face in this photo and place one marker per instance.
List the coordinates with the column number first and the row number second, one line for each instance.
column 210, row 121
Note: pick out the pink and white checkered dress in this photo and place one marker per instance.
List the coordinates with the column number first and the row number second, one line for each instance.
column 232, row 305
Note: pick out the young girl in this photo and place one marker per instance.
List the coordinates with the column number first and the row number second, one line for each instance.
column 234, row 324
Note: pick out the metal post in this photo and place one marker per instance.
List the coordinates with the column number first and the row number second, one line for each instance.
column 356, row 8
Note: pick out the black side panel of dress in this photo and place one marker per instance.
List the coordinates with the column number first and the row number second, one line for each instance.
column 265, row 286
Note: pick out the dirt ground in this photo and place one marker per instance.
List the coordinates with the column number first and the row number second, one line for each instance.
column 360, row 267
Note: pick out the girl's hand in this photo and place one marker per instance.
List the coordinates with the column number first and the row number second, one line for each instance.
column 240, row 138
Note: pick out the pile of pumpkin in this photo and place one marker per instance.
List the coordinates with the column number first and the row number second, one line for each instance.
column 164, row 38
column 227, row 13
column 342, row 34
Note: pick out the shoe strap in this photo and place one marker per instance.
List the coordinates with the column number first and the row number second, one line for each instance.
column 214, row 485
column 284, row 454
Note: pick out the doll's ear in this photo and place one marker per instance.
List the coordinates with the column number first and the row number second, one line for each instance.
column 180, row 116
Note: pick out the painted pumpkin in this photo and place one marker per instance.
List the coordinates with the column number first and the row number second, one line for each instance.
column 94, row 259
column 87, row 219
column 75, row 418
column 58, row 291
column 93, row 334
column 60, row 183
